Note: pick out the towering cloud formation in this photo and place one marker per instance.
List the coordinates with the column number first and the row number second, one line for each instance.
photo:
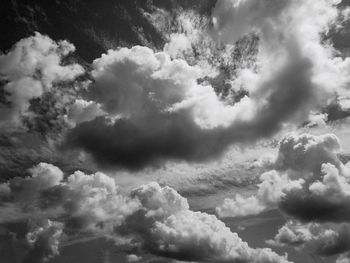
column 156, row 217
column 31, row 68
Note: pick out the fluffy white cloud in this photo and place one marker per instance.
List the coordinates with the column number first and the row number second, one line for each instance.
column 200, row 236
column 292, row 234
column 178, row 232
column 156, row 109
column 178, row 44
column 83, row 110
column 136, row 82
column 31, row 68
column 334, row 185
column 156, row 216
column 325, row 196
column 271, row 190
column 307, row 171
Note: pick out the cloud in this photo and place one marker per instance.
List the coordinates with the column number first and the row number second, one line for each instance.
column 25, row 190
column 322, row 201
column 170, row 229
column 32, row 67
column 312, row 187
column 325, row 195
column 85, row 200
column 82, row 111
column 157, row 109
column 345, row 258
column 133, row 258
column 292, row 234
column 333, row 185
column 44, row 242
column 306, row 153
column 157, row 218
column 309, row 182
column 271, row 190
column 324, row 239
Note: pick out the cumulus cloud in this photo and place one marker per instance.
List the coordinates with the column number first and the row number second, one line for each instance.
column 169, row 228
column 308, row 172
column 82, row 111
column 32, row 67
column 157, row 218
column 26, row 190
column 325, row 195
column 324, row 239
column 271, row 190
column 311, row 186
column 157, row 109
column 85, row 200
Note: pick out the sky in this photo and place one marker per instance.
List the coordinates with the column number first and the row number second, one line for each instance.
column 213, row 132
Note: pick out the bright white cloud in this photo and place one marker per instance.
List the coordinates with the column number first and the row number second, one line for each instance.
column 271, row 190
column 180, row 232
column 31, row 68
column 83, row 110
column 156, row 216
